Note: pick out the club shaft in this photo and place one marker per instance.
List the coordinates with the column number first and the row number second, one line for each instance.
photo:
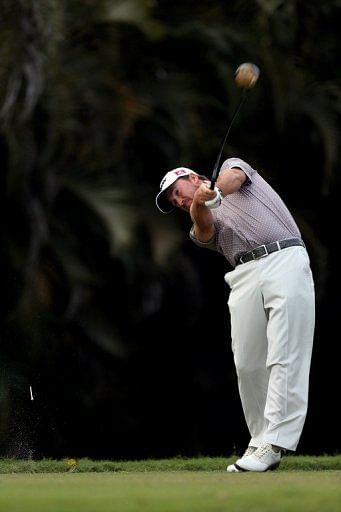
column 216, row 167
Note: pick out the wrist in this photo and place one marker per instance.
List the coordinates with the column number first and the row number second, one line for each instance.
column 216, row 201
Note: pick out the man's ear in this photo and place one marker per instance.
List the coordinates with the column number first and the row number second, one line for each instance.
column 194, row 178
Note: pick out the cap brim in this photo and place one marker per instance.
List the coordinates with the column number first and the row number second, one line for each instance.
column 162, row 202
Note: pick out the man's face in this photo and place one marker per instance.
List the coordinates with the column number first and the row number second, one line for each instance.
column 181, row 193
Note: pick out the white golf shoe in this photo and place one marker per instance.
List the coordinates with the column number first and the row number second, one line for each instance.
column 262, row 459
column 232, row 467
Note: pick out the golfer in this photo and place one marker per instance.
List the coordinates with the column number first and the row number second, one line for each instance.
column 271, row 300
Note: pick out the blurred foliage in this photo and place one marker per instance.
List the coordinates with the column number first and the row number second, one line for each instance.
column 102, row 295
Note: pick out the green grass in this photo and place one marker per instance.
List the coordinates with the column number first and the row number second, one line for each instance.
column 289, row 463
column 301, row 484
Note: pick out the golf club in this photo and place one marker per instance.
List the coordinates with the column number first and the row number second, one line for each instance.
column 246, row 77
column 215, row 172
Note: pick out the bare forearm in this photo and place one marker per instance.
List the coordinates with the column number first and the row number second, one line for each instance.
column 203, row 226
column 230, row 180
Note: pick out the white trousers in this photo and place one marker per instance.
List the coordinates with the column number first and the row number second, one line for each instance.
column 272, row 309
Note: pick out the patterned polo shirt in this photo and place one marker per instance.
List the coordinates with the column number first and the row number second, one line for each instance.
column 252, row 216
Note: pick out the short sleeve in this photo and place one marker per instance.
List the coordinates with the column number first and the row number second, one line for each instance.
column 241, row 164
column 210, row 244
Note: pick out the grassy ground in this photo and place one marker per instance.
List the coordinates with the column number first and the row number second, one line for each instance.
column 303, row 484
column 289, row 463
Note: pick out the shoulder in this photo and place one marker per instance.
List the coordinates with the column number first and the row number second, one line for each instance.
column 232, row 163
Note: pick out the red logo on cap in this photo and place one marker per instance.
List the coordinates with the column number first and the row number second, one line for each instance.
column 178, row 172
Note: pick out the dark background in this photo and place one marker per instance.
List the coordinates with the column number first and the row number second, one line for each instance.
column 113, row 317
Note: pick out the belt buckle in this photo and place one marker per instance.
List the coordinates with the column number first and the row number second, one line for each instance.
column 262, row 255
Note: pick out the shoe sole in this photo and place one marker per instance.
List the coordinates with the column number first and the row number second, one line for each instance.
column 270, row 468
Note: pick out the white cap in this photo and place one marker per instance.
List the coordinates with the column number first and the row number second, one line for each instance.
column 169, row 178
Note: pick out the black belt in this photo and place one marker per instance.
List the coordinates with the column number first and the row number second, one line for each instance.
column 264, row 250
